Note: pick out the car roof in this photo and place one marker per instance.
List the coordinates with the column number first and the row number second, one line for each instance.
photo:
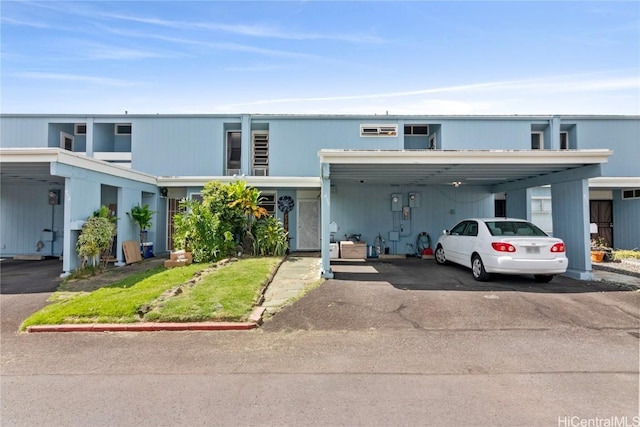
column 495, row 219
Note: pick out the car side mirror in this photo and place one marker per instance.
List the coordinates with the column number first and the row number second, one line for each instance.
column 445, row 232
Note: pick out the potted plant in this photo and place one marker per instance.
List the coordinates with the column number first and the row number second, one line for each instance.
column 599, row 249
column 142, row 215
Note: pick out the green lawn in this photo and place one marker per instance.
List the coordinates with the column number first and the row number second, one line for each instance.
column 225, row 293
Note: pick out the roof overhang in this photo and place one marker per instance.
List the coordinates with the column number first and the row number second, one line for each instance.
column 466, row 167
column 252, row 181
column 608, row 182
column 23, row 165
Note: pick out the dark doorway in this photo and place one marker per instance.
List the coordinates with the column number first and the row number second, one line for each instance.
column 500, row 208
column 601, row 213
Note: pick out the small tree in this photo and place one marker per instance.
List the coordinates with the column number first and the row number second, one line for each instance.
column 95, row 238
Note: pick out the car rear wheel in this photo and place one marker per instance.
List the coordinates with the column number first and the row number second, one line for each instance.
column 439, row 255
column 543, row 278
column 477, row 268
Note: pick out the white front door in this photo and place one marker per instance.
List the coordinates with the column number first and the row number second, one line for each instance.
column 308, row 224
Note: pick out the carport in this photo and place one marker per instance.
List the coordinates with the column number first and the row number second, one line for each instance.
column 512, row 172
column 47, row 193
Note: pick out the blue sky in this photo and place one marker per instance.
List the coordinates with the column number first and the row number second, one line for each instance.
column 330, row 57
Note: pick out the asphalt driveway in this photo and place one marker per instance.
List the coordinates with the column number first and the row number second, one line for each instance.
column 27, row 277
column 418, row 294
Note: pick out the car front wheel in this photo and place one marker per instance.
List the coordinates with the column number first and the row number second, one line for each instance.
column 477, row 267
column 439, row 255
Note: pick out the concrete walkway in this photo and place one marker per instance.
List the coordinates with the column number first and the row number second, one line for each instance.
column 294, row 274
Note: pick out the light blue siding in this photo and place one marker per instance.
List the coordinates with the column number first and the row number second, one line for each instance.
column 626, row 222
column 294, row 144
column 621, row 136
column 486, row 134
column 23, row 132
column 179, row 146
column 26, row 212
column 366, row 210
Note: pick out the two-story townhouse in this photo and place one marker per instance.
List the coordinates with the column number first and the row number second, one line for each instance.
column 398, row 177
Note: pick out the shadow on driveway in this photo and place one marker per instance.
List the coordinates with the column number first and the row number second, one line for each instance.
column 425, row 275
column 29, row 277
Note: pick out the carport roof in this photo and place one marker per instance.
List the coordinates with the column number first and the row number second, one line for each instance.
column 33, row 165
column 468, row 167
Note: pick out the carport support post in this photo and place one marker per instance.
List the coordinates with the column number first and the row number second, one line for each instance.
column 326, row 219
column 570, row 214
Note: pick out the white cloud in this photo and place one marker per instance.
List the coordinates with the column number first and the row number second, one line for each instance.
column 101, row 81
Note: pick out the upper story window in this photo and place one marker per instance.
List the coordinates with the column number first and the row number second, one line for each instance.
column 234, row 152
column 416, row 129
column 123, row 128
column 564, row 140
column 260, row 145
column 66, row 141
column 378, row 130
column 80, row 129
column 537, row 140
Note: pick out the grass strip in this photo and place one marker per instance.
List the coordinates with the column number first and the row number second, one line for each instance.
column 117, row 303
column 224, row 293
column 227, row 294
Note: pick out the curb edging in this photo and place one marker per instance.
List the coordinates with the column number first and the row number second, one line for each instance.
column 255, row 319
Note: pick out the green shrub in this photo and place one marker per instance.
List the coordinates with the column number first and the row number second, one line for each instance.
column 213, row 228
column 620, row 254
column 95, row 238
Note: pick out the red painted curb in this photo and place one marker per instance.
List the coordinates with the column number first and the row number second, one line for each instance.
column 145, row 327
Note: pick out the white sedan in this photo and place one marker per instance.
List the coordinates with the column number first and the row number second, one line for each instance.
column 502, row 245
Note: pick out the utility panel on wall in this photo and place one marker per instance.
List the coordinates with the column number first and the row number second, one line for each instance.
column 396, row 202
column 414, row 200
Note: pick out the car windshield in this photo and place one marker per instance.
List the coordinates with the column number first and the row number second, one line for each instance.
column 514, row 228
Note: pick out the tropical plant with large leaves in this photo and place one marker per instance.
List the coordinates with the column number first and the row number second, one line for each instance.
column 270, row 237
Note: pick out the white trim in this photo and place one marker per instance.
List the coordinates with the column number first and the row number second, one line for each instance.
column 464, row 156
column 110, row 156
column 614, row 182
column 253, row 181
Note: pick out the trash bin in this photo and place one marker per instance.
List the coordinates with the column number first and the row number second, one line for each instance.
column 147, row 250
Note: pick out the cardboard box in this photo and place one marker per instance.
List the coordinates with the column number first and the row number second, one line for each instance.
column 353, row 250
column 178, row 259
column 171, row 264
column 181, row 255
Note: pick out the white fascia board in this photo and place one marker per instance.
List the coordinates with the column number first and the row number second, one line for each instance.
column 28, row 155
column 464, row 156
column 615, row 182
column 80, row 160
column 252, row 181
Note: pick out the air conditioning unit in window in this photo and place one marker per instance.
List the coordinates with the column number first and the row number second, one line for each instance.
column 231, row 172
column 260, row 172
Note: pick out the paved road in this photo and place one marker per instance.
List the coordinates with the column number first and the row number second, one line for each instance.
column 381, row 351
